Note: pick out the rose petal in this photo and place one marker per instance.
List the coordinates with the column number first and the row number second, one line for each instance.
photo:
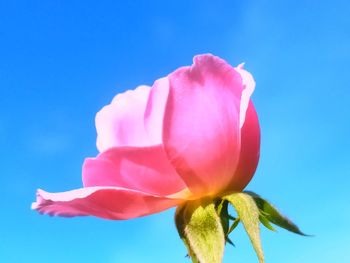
column 154, row 114
column 134, row 118
column 201, row 131
column 145, row 169
column 121, row 122
column 249, row 85
column 105, row 202
column 250, row 151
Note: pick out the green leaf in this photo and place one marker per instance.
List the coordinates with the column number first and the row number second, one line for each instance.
column 200, row 228
column 273, row 215
column 248, row 213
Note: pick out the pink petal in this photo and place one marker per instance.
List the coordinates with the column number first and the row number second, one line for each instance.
column 250, row 151
column 154, row 114
column 201, row 131
column 249, row 85
column 105, row 202
column 145, row 169
column 134, row 118
column 121, row 122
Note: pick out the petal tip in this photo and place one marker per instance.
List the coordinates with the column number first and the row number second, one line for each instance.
column 34, row 206
column 39, row 200
column 241, row 66
column 207, row 58
column 249, row 87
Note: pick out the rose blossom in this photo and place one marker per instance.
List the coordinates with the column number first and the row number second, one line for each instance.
column 194, row 133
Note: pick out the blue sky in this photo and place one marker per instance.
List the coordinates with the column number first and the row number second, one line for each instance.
column 61, row 61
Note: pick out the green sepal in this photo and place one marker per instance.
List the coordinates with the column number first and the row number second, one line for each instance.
column 234, row 225
column 273, row 215
column 222, row 211
column 200, row 228
column 228, row 240
column 266, row 222
column 248, row 213
column 225, row 217
column 180, row 223
column 231, row 217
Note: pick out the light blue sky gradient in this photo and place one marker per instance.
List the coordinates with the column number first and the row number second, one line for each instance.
column 61, row 61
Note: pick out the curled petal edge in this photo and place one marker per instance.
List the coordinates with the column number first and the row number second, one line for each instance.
column 112, row 203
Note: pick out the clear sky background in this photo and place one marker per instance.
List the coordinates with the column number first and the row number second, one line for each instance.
column 61, row 61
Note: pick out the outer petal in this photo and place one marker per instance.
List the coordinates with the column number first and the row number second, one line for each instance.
column 250, row 151
column 154, row 114
column 134, row 118
column 249, row 86
column 201, row 131
column 105, row 202
column 144, row 169
column 121, row 122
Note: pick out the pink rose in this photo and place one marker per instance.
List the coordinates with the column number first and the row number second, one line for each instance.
column 195, row 133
